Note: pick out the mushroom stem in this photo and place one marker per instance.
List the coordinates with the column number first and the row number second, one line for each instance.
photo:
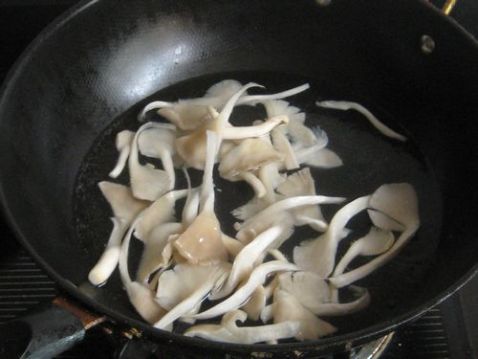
column 261, row 98
column 354, row 275
column 243, row 132
column 258, row 277
column 109, row 259
column 255, row 183
column 347, row 105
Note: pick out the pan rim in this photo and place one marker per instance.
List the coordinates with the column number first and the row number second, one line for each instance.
column 342, row 340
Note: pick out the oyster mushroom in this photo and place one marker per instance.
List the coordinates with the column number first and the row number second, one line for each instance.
column 286, row 307
column 125, row 208
column 152, row 258
column 240, row 163
column 244, row 261
column 319, row 254
column 256, row 303
column 123, row 145
column 374, row 121
column 315, row 294
column 375, row 242
column 399, row 202
column 276, row 212
column 147, row 182
column 298, row 184
column 140, row 296
column 159, row 143
column 239, row 297
column 201, row 242
column 229, row 332
column 193, row 300
column 283, row 146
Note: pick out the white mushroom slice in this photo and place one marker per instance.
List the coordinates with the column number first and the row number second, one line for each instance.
column 302, row 183
column 229, row 332
column 308, row 288
column 160, row 211
column 183, row 280
column 384, row 222
column 374, row 121
column 282, row 144
column 188, row 304
column 191, row 207
column 271, row 178
column 244, row 261
column 398, row 201
column 361, row 301
column 123, row 145
column 192, row 147
column 257, row 277
column 255, row 304
column 108, row 261
column 252, row 99
column 277, row 254
column 151, row 259
column 201, row 242
column 266, row 314
column 140, row 296
column 281, row 107
column 267, row 217
column 147, row 182
column 286, row 307
column 253, row 181
column 317, row 156
column 243, row 132
column 233, row 246
column 121, row 200
column 319, row 254
column 251, row 208
column 188, row 114
column 125, row 208
column 375, row 242
column 159, row 143
column 223, row 91
column 248, row 156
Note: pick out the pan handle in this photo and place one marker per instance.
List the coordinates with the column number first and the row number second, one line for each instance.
column 46, row 332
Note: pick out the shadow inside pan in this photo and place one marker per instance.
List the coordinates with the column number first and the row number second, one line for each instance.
column 370, row 160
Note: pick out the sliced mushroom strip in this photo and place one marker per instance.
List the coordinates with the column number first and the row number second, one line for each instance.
column 147, row 182
column 244, row 262
column 374, row 121
column 188, row 114
column 298, row 184
column 251, row 99
column 267, row 217
column 318, row 255
column 188, row 305
column 158, row 143
column 258, row 277
column 140, row 296
column 282, row 144
column 229, row 332
column 201, row 242
column 382, row 221
column 183, row 280
column 160, row 211
column 125, row 208
column 152, row 259
column 123, row 145
column 286, row 307
column 256, row 303
column 375, row 242
column 319, row 157
column 398, row 201
column 315, row 294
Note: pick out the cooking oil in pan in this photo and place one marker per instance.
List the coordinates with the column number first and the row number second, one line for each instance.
column 370, row 160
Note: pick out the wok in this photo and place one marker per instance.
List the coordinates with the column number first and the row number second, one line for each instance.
column 93, row 68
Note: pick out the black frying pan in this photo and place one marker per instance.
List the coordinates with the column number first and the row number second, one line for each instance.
column 88, row 73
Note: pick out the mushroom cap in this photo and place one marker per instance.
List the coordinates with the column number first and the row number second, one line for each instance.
column 249, row 155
